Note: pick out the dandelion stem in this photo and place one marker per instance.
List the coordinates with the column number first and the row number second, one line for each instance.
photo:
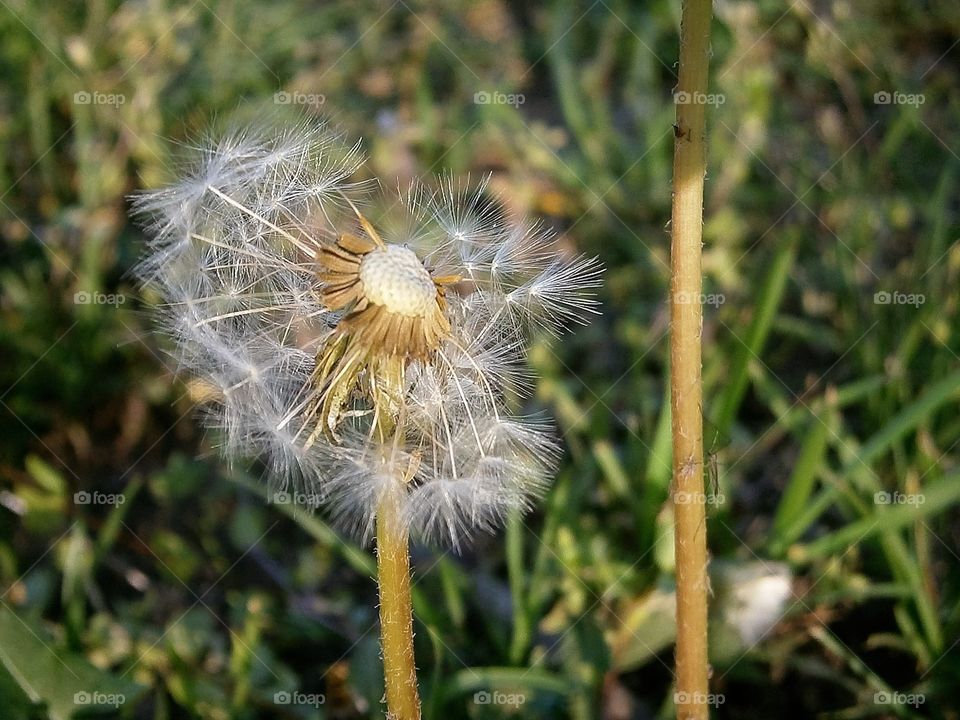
column 393, row 574
column 686, row 316
column 396, row 614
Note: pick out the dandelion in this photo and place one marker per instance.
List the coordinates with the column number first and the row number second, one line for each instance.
column 373, row 366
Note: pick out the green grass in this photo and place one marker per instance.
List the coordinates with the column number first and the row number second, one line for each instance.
column 196, row 598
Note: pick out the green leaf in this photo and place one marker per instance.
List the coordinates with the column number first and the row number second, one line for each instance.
column 64, row 681
column 857, row 467
column 48, row 477
column 14, row 701
column 800, row 486
column 506, row 679
column 647, row 629
column 767, row 303
column 935, row 498
column 907, row 420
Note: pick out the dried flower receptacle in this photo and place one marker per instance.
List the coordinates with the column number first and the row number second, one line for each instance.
column 394, row 311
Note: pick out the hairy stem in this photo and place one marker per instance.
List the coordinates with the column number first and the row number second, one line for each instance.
column 393, row 565
column 686, row 315
column 396, row 614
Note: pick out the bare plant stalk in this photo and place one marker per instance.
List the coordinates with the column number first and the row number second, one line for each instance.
column 686, row 316
column 393, row 575
column 396, row 614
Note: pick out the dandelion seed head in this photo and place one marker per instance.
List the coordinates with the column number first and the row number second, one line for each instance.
column 365, row 361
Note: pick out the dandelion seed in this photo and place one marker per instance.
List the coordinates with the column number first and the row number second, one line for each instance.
column 364, row 362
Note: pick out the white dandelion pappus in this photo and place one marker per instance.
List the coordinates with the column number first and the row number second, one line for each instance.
column 362, row 365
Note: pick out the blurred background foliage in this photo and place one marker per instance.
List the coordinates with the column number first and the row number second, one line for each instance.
column 193, row 597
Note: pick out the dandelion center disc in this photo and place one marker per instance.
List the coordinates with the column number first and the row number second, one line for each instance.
column 395, row 278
